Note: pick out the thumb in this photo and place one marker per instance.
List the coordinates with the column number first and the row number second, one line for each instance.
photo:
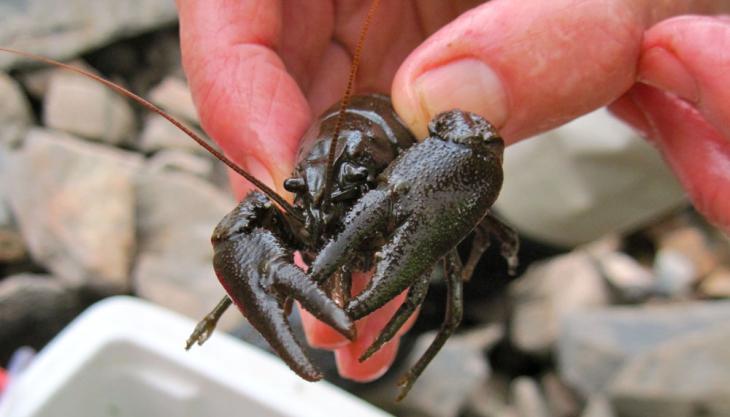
column 527, row 66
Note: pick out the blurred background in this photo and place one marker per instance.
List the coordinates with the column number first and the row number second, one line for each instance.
column 617, row 308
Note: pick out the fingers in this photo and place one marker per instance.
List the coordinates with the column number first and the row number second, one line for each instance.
column 246, row 99
column 688, row 115
column 528, row 66
column 296, row 283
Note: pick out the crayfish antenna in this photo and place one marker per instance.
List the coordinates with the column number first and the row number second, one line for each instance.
column 153, row 108
column 346, row 101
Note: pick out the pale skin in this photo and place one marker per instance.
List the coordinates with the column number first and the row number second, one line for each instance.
column 261, row 70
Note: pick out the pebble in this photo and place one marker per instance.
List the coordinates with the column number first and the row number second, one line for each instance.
column 74, row 204
column 60, row 29
column 547, row 292
column 528, row 399
column 173, row 95
column 594, row 345
column 87, row 108
column 159, row 134
column 687, row 376
column 176, row 216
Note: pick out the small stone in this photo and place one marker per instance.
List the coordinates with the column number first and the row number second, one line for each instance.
column 687, row 376
column 181, row 161
column 74, row 204
column 443, row 388
column 33, row 308
column 561, row 400
column 598, row 406
column 159, row 134
column 36, row 81
column 173, row 95
column 15, row 112
column 717, row 284
column 594, row 345
column 488, row 399
column 675, row 273
column 631, row 281
column 692, row 243
column 87, row 108
column 177, row 213
column 60, row 29
column 547, row 292
column 528, row 399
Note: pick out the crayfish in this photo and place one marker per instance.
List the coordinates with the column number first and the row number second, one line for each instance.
column 367, row 195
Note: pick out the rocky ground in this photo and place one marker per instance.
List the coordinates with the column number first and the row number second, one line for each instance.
column 98, row 198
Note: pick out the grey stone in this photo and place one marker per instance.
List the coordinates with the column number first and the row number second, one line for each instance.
column 594, row 345
column 528, row 399
column 489, row 399
column 598, row 406
column 561, row 400
column 173, row 95
column 687, row 376
column 629, row 280
column 15, row 112
column 177, row 160
column 675, row 274
column 61, row 29
column 461, row 366
column 74, row 203
column 177, row 213
column 158, row 134
column 547, row 292
column 717, row 284
column 87, row 108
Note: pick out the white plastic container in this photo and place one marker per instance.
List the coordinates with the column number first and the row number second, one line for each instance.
column 124, row 357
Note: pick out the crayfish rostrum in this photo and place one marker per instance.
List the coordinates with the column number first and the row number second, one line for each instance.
column 367, row 195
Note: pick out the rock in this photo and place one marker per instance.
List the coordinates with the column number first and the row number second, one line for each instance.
column 87, row 108
column 36, row 81
column 33, row 308
column 528, row 399
column 74, row 203
column 630, row 281
column 687, row 376
column 594, row 345
column 61, row 29
column 717, row 284
column 177, row 213
column 488, row 399
column 561, row 400
column 460, row 367
column 692, row 243
column 182, row 161
column 173, row 95
column 598, row 406
column 15, row 112
column 547, row 292
column 675, row 274
column 158, row 134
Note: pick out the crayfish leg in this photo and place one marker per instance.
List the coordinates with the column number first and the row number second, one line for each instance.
column 454, row 313
column 416, row 295
column 206, row 326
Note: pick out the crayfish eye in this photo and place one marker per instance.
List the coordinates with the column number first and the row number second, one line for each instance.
column 295, row 185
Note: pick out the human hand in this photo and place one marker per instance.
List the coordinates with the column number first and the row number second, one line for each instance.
column 526, row 65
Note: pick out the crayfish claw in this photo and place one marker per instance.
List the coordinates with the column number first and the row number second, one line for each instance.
column 294, row 282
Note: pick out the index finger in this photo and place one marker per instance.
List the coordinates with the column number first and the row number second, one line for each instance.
column 246, row 99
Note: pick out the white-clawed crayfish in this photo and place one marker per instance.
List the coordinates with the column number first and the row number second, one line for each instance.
column 367, row 194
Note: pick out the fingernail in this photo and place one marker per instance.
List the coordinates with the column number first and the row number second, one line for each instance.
column 660, row 68
column 466, row 84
